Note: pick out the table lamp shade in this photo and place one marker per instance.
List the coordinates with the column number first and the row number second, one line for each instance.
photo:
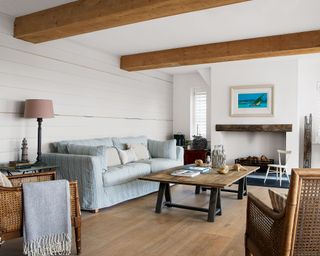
column 38, row 108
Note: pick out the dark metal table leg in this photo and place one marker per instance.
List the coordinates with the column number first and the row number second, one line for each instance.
column 219, row 203
column 212, row 204
column 197, row 191
column 167, row 194
column 240, row 188
column 245, row 187
column 162, row 188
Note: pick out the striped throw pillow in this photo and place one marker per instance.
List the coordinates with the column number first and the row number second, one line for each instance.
column 278, row 201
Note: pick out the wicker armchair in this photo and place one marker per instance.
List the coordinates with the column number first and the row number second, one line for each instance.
column 293, row 232
column 11, row 215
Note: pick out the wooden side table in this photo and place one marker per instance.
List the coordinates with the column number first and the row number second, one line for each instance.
column 190, row 155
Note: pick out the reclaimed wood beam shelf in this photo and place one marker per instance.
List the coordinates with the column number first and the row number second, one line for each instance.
column 254, row 127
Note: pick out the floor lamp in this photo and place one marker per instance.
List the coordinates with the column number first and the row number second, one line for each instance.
column 38, row 108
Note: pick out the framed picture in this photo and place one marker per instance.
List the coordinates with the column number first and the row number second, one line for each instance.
column 252, row 100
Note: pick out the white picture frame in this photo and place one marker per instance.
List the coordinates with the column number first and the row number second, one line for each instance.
column 252, row 101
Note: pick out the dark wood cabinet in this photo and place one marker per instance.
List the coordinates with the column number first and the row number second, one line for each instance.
column 190, row 155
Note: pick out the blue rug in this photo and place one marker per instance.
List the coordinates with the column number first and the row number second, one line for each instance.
column 257, row 179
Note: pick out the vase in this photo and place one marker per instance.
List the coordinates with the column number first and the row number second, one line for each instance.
column 218, row 157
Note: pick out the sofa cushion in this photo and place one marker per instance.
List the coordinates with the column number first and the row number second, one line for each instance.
column 140, row 150
column 61, row 146
column 122, row 142
column 127, row 156
column 86, row 150
column 112, row 157
column 160, row 164
column 162, row 149
column 124, row 173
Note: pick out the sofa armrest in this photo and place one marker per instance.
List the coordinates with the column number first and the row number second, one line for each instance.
column 87, row 170
column 180, row 154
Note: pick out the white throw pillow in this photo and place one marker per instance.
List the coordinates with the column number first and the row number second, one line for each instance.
column 112, row 157
column 4, row 181
column 141, row 151
column 127, row 156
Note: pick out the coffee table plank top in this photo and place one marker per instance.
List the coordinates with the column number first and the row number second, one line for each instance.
column 211, row 179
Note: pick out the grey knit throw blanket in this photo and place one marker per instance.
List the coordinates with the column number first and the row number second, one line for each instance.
column 47, row 220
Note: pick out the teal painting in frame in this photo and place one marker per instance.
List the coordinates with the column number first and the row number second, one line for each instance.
column 252, row 100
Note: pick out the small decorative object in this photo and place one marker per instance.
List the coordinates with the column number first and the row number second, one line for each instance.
column 224, row 169
column 218, row 157
column 180, row 139
column 37, row 108
column 208, row 159
column 24, row 151
column 1, row 241
column 307, row 152
column 238, row 168
column 188, row 144
column 251, row 100
column 199, row 142
column 198, row 162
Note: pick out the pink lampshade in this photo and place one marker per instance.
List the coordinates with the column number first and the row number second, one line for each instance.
column 36, row 108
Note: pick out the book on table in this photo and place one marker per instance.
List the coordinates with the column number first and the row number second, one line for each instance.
column 200, row 169
column 185, row 173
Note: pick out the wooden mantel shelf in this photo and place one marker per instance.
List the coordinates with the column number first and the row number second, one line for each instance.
column 254, row 127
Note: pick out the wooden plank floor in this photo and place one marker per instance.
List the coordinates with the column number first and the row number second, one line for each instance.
column 132, row 228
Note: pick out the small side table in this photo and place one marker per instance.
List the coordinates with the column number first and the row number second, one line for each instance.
column 34, row 169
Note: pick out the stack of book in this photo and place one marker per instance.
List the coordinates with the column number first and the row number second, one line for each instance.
column 190, row 171
column 20, row 165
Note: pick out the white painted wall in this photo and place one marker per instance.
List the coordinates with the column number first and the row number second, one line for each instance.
column 183, row 86
column 283, row 74
column 92, row 96
column 309, row 102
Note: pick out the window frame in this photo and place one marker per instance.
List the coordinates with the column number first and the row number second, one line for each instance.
column 195, row 93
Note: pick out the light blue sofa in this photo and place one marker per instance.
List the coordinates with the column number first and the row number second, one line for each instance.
column 100, row 187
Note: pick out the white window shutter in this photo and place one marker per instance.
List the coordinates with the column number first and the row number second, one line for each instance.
column 200, row 112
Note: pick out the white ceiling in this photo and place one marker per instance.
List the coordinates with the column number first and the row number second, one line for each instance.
column 239, row 21
column 245, row 20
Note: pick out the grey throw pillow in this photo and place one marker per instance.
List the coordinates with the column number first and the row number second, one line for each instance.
column 86, row 150
column 62, row 148
column 89, row 151
column 162, row 149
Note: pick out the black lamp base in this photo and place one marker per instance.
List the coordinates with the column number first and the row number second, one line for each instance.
column 39, row 153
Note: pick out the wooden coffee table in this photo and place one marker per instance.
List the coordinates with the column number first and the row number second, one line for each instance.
column 212, row 181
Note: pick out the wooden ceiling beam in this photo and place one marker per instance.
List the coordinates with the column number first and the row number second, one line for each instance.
column 271, row 46
column 85, row 16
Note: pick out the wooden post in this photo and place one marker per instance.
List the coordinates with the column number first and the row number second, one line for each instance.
column 307, row 152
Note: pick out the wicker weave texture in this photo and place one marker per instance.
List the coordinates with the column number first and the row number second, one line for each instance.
column 11, row 203
column 307, row 241
column 295, row 232
column 11, row 209
column 264, row 230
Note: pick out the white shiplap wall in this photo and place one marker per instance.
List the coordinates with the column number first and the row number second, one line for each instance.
column 92, row 96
